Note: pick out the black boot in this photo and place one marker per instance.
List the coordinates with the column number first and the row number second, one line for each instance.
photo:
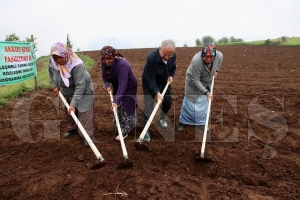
column 70, row 132
column 180, row 126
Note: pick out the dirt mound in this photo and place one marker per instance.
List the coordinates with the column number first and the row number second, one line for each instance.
column 254, row 139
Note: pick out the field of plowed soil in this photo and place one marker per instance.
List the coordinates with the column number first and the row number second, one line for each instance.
column 254, row 139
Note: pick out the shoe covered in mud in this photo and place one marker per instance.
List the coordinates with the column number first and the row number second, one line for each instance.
column 70, row 132
column 180, row 126
column 118, row 138
column 86, row 142
column 147, row 137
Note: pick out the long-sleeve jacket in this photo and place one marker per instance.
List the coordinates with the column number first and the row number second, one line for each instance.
column 156, row 72
column 124, row 83
column 198, row 77
column 80, row 89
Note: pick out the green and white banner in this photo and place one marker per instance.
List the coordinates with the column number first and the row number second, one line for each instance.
column 17, row 62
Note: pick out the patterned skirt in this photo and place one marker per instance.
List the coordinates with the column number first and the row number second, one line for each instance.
column 85, row 118
column 127, row 123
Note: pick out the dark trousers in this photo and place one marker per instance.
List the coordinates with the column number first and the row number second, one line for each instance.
column 149, row 103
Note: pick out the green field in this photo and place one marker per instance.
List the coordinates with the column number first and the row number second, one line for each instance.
column 290, row 41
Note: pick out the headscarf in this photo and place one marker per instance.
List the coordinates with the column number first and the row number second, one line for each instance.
column 208, row 50
column 109, row 52
column 72, row 60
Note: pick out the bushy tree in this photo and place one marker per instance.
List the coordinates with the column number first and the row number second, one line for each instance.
column 233, row 39
column 33, row 41
column 185, row 45
column 223, row 40
column 12, row 37
column 69, row 43
column 198, row 42
column 207, row 39
column 268, row 41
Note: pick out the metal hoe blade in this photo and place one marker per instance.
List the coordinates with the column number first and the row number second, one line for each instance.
column 199, row 159
column 125, row 165
column 99, row 165
column 141, row 146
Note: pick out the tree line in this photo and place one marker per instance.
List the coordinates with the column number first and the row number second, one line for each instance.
column 14, row 38
column 206, row 39
column 209, row 39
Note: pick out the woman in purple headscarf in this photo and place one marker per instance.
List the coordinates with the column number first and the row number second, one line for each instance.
column 204, row 65
column 68, row 75
column 119, row 79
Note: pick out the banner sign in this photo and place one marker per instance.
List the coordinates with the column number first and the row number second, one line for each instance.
column 17, row 62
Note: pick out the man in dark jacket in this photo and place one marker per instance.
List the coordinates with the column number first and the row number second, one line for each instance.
column 159, row 69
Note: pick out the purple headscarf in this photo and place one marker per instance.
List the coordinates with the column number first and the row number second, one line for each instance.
column 72, row 60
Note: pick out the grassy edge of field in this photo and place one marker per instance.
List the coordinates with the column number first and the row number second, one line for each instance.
column 290, row 41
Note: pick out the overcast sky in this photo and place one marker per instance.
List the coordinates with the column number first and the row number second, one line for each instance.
column 124, row 24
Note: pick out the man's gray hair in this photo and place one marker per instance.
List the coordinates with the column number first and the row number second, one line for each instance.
column 169, row 43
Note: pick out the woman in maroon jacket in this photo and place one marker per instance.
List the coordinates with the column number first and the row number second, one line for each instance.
column 119, row 79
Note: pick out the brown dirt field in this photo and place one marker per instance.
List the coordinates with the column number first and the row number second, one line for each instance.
column 254, row 139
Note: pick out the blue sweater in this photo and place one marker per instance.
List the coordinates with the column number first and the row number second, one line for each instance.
column 123, row 81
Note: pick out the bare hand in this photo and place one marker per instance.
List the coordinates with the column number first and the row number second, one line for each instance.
column 71, row 109
column 159, row 96
column 56, row 90
column 209, row 96
column 114, row 105
column 109, row 89
column 170, row 79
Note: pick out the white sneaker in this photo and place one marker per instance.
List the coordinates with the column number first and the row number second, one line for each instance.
column 118, row 138
column 163, row 123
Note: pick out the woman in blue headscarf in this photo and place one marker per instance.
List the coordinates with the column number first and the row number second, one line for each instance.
column 204, row 65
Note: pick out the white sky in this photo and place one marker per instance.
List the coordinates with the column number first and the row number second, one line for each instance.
column 122, row 24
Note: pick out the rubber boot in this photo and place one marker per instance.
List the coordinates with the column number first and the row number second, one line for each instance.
column 162, row 120
column 180, row 126
column 147, row 135
column 69, row 133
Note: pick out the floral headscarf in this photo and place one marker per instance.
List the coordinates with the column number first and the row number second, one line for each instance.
column 208, row 50
column 72, row 60
column 109, row 52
